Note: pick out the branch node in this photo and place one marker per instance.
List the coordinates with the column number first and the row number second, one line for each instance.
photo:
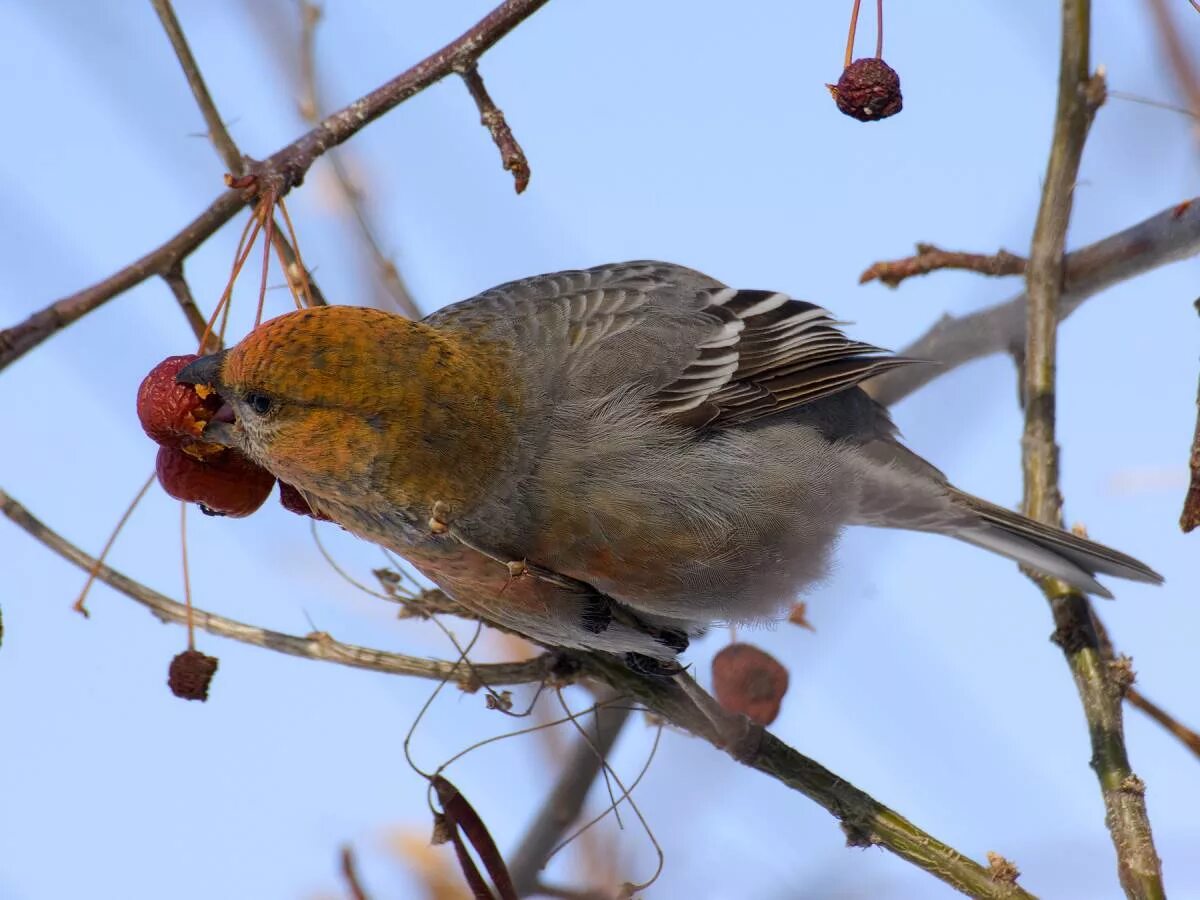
column 1002, row 870
column 512, row 157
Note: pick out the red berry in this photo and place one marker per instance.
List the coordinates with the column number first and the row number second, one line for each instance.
column 869, row 90
column 174, row 415
column 225, row 484
column 750, row 681
column 293, row 501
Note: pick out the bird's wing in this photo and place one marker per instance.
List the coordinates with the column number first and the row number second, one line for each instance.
column 707, row 354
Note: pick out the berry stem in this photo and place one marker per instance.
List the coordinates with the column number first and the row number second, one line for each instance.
column 187, row 579
column 80, row 606
column 266, row 209
column 879, row 29
column 850, row 36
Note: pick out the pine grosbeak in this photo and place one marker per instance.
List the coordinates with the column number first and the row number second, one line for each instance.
column 608, row 459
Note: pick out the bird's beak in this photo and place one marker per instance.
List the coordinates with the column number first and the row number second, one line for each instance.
column 206, row 371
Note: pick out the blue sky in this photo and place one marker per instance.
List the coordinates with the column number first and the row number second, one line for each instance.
column 699, row 134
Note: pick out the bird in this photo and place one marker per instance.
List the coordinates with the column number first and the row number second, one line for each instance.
column 610, row 459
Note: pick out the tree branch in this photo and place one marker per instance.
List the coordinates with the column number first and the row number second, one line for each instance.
column 1079, row 95
column 563, row 804
column 310, row 111
column 1190, row 517
column 864, row 818
column 315, row 646
column 1166, row 237
column 222, row 140
column 281, row 171
column 930, row 258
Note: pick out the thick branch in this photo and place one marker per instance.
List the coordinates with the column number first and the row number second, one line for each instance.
column 929, row 258
column 864, row 817
column 283, row 170
column 1190, row 517
column 316, row 646
column 563, row 804
column 1166, row 237
column 1138, row 865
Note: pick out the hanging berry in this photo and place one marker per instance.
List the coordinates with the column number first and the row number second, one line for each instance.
column 868, row 89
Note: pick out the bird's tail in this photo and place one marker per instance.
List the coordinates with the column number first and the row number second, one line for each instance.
column 1050, row 550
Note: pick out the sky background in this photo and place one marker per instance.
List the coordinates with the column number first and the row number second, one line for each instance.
column 700, row 134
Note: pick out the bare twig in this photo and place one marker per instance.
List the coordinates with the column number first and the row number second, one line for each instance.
column 280, row 172
column 310, row 111
column 183, row 294
column 221, row 139
column 512, row 157
column 1079, row 94
column 1165, row 237
column 1187, row 736
column 316, row 646
column 565, row 800
column 350, row 875
column 930, row 258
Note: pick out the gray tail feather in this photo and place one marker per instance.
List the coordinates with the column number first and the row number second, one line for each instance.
column 1053, row 551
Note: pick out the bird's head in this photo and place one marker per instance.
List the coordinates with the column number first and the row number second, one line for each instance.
column 363, row 407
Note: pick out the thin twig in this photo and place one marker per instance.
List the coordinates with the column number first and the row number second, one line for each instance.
column 310, row 110
column 1186, row 736
column 1166, row 237
column 183, row 294
column 563, row 804
column 512, row 157
column 350, row 874
column 1079, row 94
column 929, row 258
column 282, row 171
column 318, row 646
column 1178, row 55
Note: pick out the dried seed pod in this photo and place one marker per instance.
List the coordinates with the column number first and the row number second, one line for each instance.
column 750, row 681
column 869, row 90
column 190, row 674
column 174, row 415
column 226, row 484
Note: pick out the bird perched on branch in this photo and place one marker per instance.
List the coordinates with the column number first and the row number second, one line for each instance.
column 611, row 458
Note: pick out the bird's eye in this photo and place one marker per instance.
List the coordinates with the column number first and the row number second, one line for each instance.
column 258, row 402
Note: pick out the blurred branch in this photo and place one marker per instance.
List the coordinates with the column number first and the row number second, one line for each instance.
column 221, row 139
column 563, row 804
column 1079, row 95
column 280, row 172
column 350, row 875
column 1165, row 237
column 1190, row 517
column 1186, row 736
column 183, row 294
column 930, row 258
column 310, row 110
column 1179, row 57
column 512, row 157
column 865, row 820
column 316, row 646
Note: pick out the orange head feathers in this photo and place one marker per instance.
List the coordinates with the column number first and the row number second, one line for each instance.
column 366, row 409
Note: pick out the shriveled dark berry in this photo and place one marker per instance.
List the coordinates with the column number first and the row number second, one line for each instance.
column 190, row 674
column 869, row 90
